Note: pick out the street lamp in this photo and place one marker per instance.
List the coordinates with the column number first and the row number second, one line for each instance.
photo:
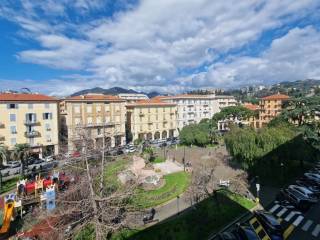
column 178, row 210
column 184, row 158
column 282, row 171
column 258, row 189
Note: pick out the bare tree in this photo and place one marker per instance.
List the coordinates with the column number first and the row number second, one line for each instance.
column 91, row 202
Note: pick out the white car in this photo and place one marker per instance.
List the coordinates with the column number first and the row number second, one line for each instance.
column 48, row 159
column 130, row 150
column 13, row 164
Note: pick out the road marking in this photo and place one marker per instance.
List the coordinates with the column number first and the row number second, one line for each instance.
column 275, row 207
column 307, row 225
column 298, row 221
column 288, row 231
column 282, row 212
column 316, row 231
column 290, row 216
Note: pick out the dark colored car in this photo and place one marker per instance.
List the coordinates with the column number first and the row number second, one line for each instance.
column 295, row 199
column 228, row 236
column 270, row 224
column 245, row 232
column 311, row 187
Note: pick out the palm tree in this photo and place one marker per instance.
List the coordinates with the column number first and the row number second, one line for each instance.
column 20, row 153
column 3, row 159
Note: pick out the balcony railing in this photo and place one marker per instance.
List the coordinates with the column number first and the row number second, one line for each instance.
column 32, row 134
column 31, row 122
column 92, row 125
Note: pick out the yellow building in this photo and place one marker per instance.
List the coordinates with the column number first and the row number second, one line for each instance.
column 100, row 115
column 152, row 119
column 31, row 119
column 270, row 107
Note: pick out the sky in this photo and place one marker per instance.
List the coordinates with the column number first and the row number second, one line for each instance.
column 58, row 47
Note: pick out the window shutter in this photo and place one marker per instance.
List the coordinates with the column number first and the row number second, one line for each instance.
column 43, row 116
column 50, row 115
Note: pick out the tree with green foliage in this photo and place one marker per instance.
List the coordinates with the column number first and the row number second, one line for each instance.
column 233, row 112
column 3, row 159
column 21, row 153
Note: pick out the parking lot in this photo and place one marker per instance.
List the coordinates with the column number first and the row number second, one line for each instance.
column 293, row 215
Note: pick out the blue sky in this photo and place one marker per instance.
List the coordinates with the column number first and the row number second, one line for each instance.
column 61, row 46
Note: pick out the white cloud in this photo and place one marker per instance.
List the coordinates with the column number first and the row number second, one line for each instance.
column 147, row 45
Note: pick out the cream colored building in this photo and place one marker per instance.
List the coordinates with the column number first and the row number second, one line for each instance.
column 31, row 119
column 226, row 101
column 193, row 108
column 152, row 119
column 133, row 97
column 100, row 115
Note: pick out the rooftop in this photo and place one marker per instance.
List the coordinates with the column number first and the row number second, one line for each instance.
column 25, row 97
column 277, row 96
column 250, row 106
column 150, row 102
column 94, row 97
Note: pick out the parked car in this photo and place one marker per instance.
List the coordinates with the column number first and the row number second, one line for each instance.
column 295, row 199
column 48, row 159
column 304, row 191
column 13, row 164
column 270, row 224
column 311, row 187
column 76, row 154
column 246, row 232
column 313, row 176
column 129, row 149
column 228, row 236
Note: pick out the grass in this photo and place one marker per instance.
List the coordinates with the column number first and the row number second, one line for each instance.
column 9, row 185
column 111, row 171
column 209, row 217
column 175, row 184
column 158, row 159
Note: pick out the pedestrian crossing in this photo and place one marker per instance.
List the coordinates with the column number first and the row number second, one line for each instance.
column 291, row 219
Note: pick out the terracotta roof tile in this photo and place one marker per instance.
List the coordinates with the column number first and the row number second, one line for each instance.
column 150, row 102
column 277, row 96
column 251, row 106
column 25, row 97
column 94, row 97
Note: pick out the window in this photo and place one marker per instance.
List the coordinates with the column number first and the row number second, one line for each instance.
column 76, row 109
column 12, row 106
column 98, row 108
column 47, row 116
column 13, row 141
column 31, row 141
column 89, row 120
column 89, row 109
column 47, row 105
column 99, row 121
column 30, row 106
column 77, row 121
column 47, row 126
column 12, row 117
column 48, row 137
column 13, row 129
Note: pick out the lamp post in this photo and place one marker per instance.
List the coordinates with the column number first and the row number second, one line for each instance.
column 282, row 172
column 178, row 210
column 184, row 158
column 258, row 189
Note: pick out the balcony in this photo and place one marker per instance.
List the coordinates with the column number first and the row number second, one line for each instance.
column 31, row 123
column 32, row 134
column 2, row 125
column 141, row 114
column 93, row 125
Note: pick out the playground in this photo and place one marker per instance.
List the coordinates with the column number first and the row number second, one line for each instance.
column 40, row 191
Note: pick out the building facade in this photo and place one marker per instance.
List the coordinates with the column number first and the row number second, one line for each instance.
column 101, row 116
column 29, row 119
column 226, row 101
column 193, row 108
column 270, row 107
column 133, row 97
column 152, row 119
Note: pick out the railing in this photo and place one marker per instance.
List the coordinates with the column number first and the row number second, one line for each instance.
column 32, row 134
column 31, row 122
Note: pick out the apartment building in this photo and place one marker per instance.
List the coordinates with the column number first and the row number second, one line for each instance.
column 193, row 108
column 133, row 97
column 31, row 119
column 226, row 101
column 152, row 119
column 270, row 107
column 101, row 116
